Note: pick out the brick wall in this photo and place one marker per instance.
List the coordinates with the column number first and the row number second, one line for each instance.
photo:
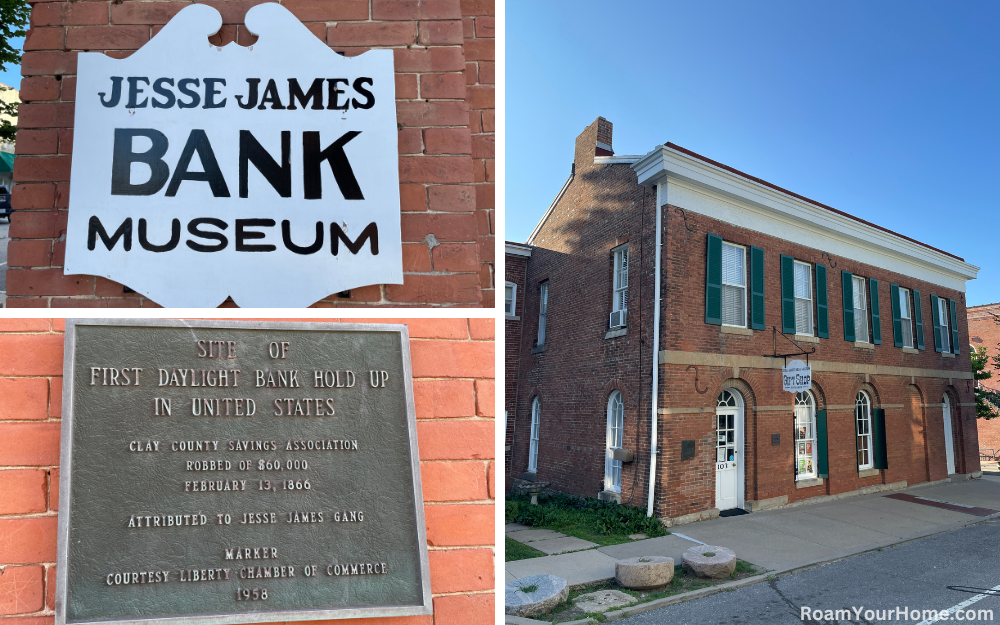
column 444, row 90
column 984, row 331
column 515, row 268
column 453, row 371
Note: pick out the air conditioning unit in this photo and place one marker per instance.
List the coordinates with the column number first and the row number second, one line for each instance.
column 624, row 455
column 618, row 319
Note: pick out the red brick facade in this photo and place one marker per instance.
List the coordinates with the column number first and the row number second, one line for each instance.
column 984, row 331
column 515, row 267
column 453, row 387
column 582, row 362
column 445, row 73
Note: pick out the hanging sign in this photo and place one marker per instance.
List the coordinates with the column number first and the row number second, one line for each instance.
column 268, row 173
column 796, row 376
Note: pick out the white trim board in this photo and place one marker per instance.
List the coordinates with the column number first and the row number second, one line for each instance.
column 714, row 192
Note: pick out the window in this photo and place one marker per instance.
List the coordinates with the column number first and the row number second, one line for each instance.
column 803, row 298
column 905, row 318
column 510, row 299
column 543, row 305
column 863, row 425
column 805, row 436
column 536, row 414
column 945, row 328
column 860, row 311
column 616, row 422
column 734, row 285
column 620, row 284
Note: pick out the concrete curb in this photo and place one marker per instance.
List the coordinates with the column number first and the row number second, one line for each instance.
column 739, row 583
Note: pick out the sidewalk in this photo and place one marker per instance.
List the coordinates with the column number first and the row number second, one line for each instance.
column 791, row 537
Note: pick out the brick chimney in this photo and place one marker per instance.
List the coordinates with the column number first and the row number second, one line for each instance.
column 604, row 128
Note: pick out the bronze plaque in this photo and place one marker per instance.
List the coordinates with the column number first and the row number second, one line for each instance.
column 236, row 471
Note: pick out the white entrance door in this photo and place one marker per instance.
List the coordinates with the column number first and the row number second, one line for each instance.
column 728, row 446
column 949, row 444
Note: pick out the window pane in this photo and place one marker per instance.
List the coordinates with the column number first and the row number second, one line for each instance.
column 859, row 293
column 802, row 281
column 734, row 305
column 508, row 300
column 803, row 316
column 732, row 265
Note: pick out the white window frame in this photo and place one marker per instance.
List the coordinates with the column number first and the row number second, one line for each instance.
column 615, row 439
column 945, row 325
column 536, row 416
column 860, row 313
column 805, row 402
column 863, row 404
column 743, row 252
column 512, row 312
column 811, row 330
column 543, row 308
column 905, row 316
column 620, row 278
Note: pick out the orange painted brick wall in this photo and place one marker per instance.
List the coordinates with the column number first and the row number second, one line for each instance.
column 444, row 108
column 453, row 384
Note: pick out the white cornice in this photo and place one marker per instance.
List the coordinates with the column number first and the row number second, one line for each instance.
column 706, row 189
column 514, row 249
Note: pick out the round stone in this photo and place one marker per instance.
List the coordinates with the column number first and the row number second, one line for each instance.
column 644, row 572
column 537, row 594
column 710, row 561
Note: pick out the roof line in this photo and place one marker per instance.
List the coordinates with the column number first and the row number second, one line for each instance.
column 531, row 237
column 775, row 187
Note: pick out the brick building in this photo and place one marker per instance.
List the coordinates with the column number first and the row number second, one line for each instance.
column 984, row 331
column 712, row 272
column 453, row 388
column 445, row 74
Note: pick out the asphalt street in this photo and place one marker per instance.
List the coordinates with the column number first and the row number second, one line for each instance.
column 933, row 573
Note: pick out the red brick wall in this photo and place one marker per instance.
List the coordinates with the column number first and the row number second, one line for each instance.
column 453, row 371
column 602, row 208
column 444, row 90
column 984, row 331
column 514, row 267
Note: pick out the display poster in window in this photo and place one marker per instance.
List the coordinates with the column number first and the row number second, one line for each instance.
column 268, row 173
column 796, row 376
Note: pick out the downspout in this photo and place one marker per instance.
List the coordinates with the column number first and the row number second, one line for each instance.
column 656, row 350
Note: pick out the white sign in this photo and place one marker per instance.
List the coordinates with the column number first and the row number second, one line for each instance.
column 269, row 173
column 796, row 376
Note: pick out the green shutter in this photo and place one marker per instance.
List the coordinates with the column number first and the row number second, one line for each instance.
column 713, row 281
column 936, row 318
column 822, row 310
column 897, row 323
column 876, row 316
column 756, row 288
column 787, row 294
column 848, row 289
column 919, row 317
column 878, row 439
column 954, row 327
column 822, row 458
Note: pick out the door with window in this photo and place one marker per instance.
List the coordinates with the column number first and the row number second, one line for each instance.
column 728, row 451
column 616, row 422
column 949, row 443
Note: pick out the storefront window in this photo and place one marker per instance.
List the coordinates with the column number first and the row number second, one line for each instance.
column 863, row 417
column 805, row 436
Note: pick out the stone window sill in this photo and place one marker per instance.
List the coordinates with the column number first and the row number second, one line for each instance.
column 538, row 350
column 868, row 472
column 512, row 317
column 911, row 350
column 948, row 355
column 806, row 338
column 735, row 330
column 864, row 345
column 816, row 481
column 615, row 333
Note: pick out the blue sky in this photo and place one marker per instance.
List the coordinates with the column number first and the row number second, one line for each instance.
column 886, row 110
column 12, row 77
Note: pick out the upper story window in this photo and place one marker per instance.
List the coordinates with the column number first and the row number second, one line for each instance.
column 510, row 299
column 906, row 317
column 543, row 305
column 734, row 285
column 860, row 310
column 803, row 298
column 945, row 324
column 619, row 306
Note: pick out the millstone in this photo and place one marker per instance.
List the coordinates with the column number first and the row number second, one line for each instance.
column 644, row 572
column 550, row 592
column 719, row 564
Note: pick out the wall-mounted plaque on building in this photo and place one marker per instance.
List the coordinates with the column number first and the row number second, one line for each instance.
column 269, row 173
column 234, row 471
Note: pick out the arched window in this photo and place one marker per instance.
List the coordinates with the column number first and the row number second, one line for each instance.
column 536, row 414
column 805, row 436
column 863, row 426
column 616, row 422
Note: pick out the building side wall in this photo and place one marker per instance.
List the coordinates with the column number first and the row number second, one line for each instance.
column 984, row 331
column 444, row 108
column 515, row 268
column 453, row 383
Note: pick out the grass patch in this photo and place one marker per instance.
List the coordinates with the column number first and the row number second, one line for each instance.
column 602, row 522
column 514, row 550
column 529, row 589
